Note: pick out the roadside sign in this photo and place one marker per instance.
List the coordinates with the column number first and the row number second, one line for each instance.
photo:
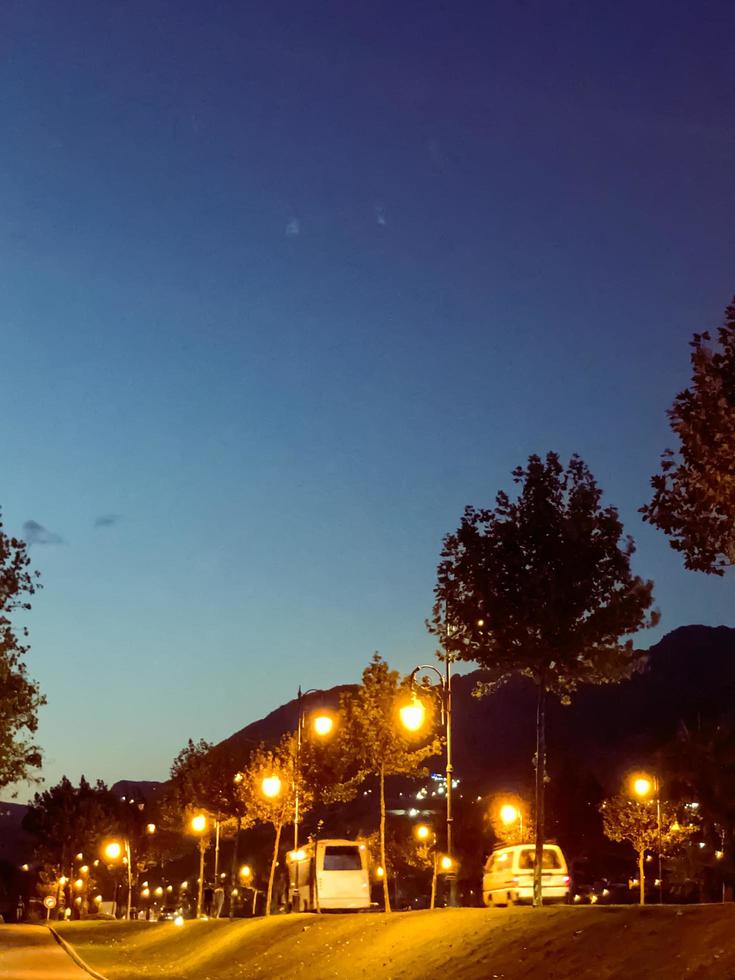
column 50, row 902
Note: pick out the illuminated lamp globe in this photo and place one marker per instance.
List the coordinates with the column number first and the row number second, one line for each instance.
column 271, row 786
column 642, row 786
column 412, row 715
column 508, row 813
column 323, row 725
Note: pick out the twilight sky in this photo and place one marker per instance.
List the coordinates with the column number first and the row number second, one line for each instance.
column 283, row 286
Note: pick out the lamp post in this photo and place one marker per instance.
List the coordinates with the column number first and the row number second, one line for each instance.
column 644, row 786
column 199, row 827
column 113, row 851
column 412, row 717
column 509, row 814
column 425, row 835
column 322, row 725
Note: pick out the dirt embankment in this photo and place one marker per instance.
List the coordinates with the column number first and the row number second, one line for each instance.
column 667, row 943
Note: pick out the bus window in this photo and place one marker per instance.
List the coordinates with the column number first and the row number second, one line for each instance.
column 342, row 857
column 527, row 859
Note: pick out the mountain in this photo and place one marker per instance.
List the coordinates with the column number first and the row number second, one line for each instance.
column 687, row 676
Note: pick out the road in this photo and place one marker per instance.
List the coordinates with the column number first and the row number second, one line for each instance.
column 32, row 953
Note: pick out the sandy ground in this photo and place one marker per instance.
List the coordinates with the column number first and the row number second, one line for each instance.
column 668, row 943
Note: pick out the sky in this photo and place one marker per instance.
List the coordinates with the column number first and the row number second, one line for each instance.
column 284, row 286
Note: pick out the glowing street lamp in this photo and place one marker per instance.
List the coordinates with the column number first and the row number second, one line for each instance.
column 199, row 823
column 644, row 786
column 413, row 717
column 426, row 835
column 199, row 826
column 114, row 851
column 271, row 787
column 509, row 815
column 413, row 714
column 322, row 725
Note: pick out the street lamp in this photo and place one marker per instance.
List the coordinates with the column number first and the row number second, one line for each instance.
column 412, row 717
column 509, row 814
column 322, row 724
column 199, row 826
column 113, row 851
column 426, row 835
column 271, row 786
column 644, row 786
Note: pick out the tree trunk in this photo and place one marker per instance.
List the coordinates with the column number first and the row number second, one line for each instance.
column 386, row 896
column 233, row 867
column 642, row 875
column 274, row 862
column 540, row 789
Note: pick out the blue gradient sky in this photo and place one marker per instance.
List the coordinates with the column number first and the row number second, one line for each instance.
column 285, row 286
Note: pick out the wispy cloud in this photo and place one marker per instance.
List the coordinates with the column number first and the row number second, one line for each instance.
column 293, row 228
column 107, row 520
column 381, row 215
column 35, row 533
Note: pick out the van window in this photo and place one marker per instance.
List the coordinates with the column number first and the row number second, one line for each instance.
column 527, row 859
column 342, row 857
column 499, row 861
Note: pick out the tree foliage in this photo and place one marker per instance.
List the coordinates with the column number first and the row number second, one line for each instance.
column 20, row 697
column 694, row 492
column 635, row 822
column 374, row 741
column 66, row 819
column 203, row 779
column 542, row 586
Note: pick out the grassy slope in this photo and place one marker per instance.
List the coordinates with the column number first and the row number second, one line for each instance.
column 448, row 944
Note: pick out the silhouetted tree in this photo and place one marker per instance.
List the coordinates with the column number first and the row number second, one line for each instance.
column 205, row 778
column 68, row 819
column 694, row 493
column 20, row 697
column 542, row 586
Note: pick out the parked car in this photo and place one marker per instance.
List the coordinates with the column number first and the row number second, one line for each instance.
column 508, row 875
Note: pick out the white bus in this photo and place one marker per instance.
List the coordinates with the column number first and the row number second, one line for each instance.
column 335, row 878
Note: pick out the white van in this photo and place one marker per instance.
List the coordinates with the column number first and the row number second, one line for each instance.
column 331, row 875
column 508, row 875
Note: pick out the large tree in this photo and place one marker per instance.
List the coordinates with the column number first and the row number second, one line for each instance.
column 542, row 586
column 372, row 738
column 20, row 697
column 694, row 492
